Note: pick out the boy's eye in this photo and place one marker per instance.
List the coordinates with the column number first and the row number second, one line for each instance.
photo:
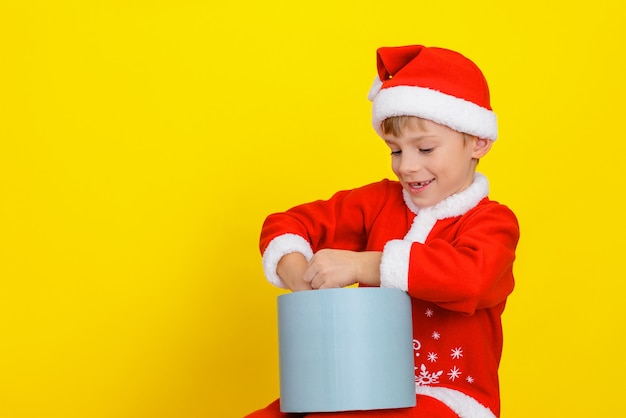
column 426, row 150
column 396, row 152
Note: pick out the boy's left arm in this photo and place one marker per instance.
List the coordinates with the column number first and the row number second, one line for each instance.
column 469, row 272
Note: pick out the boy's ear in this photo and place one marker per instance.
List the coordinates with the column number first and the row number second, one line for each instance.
column 481, row 147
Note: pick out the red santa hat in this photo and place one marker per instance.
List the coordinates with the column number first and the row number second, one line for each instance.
column 432, row 83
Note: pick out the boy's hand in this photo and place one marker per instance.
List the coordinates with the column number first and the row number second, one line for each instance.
column 291, row 270
column 330, row 268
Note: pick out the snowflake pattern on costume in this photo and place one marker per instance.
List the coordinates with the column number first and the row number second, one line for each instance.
column 454, row 373
column 427, row 378
column 457, row 353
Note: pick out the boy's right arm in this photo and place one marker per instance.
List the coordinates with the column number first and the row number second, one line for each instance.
column 291, row 269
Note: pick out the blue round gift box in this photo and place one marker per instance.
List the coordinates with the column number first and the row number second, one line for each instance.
column 345, row 349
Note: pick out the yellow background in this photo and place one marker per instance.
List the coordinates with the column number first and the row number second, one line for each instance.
column 142, row 143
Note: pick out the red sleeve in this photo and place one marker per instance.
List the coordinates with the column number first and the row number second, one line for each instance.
column 341, row 222
column 471, row 267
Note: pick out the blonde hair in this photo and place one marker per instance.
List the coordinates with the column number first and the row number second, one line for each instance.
column 394, row 125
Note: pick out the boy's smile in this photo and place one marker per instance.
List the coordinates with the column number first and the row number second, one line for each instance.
column 433, row 161
column 420, row 185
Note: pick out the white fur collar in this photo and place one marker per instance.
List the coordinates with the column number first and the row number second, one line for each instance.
column 452, row 206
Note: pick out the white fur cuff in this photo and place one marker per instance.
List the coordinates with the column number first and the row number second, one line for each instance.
column 277, row 248
column 394, row 265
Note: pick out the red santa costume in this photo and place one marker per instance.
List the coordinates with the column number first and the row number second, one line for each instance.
column 454, row 259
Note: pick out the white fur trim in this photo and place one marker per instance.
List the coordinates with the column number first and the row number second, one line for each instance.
column 394, row 264
column 376, row 85
column 456, row 204
column 465, row 406
column 454, row 112
column 277, row 248
column 421, row 226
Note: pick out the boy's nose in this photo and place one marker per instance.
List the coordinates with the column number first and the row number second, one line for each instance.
column 408, row 164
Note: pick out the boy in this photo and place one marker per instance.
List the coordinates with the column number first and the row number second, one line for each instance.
column 433, row 233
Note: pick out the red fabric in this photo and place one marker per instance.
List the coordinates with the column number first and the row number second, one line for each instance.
column 437, row 69
column 426, row 407
column 466, row 262
column 458, row 279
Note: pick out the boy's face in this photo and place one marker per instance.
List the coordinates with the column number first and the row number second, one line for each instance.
column 433, row 161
